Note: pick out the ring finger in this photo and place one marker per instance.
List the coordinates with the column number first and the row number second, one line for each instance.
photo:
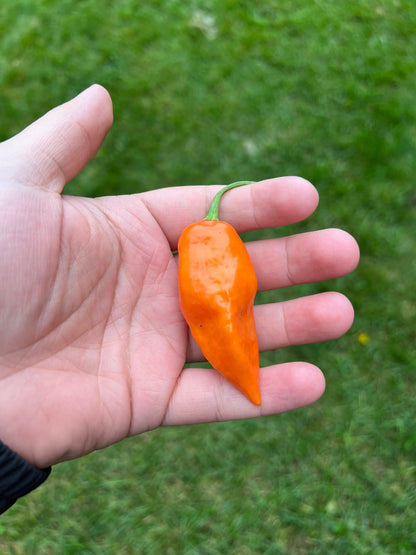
column 309, row 319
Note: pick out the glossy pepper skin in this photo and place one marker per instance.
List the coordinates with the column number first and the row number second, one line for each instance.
column 217, row 286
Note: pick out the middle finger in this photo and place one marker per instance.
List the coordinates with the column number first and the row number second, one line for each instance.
column 303, row 258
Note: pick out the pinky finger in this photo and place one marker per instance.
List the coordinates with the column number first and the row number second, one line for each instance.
column 203, row 395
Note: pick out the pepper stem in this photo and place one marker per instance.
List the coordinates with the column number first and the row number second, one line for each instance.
column 212, row 213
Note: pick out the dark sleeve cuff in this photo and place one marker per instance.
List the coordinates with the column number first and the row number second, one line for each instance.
column 17, row 477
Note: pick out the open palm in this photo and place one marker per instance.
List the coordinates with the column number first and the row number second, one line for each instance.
column 92, row 340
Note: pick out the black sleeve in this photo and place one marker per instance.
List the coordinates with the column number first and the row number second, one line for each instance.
column 17, row 477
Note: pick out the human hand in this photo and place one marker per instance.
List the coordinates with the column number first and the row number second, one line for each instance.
column 92, row 340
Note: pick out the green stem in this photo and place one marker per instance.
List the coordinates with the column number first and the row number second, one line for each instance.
column 212, row 213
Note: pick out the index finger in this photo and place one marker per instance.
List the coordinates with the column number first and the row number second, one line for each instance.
column 269, row 203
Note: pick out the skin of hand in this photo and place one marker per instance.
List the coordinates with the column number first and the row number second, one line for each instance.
column 92, row 340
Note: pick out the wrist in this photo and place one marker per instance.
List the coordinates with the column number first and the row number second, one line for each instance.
column 17, row 477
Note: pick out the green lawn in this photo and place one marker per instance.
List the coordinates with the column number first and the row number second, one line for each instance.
column 213, row 92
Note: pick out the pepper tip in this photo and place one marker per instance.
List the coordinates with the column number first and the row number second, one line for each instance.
column 255, row 398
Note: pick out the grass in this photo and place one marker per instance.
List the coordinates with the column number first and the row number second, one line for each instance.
column 212, row 92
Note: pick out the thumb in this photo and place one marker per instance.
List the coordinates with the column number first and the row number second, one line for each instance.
column 56, row 147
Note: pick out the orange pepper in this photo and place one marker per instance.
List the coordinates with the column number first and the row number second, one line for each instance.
column 217, row 286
